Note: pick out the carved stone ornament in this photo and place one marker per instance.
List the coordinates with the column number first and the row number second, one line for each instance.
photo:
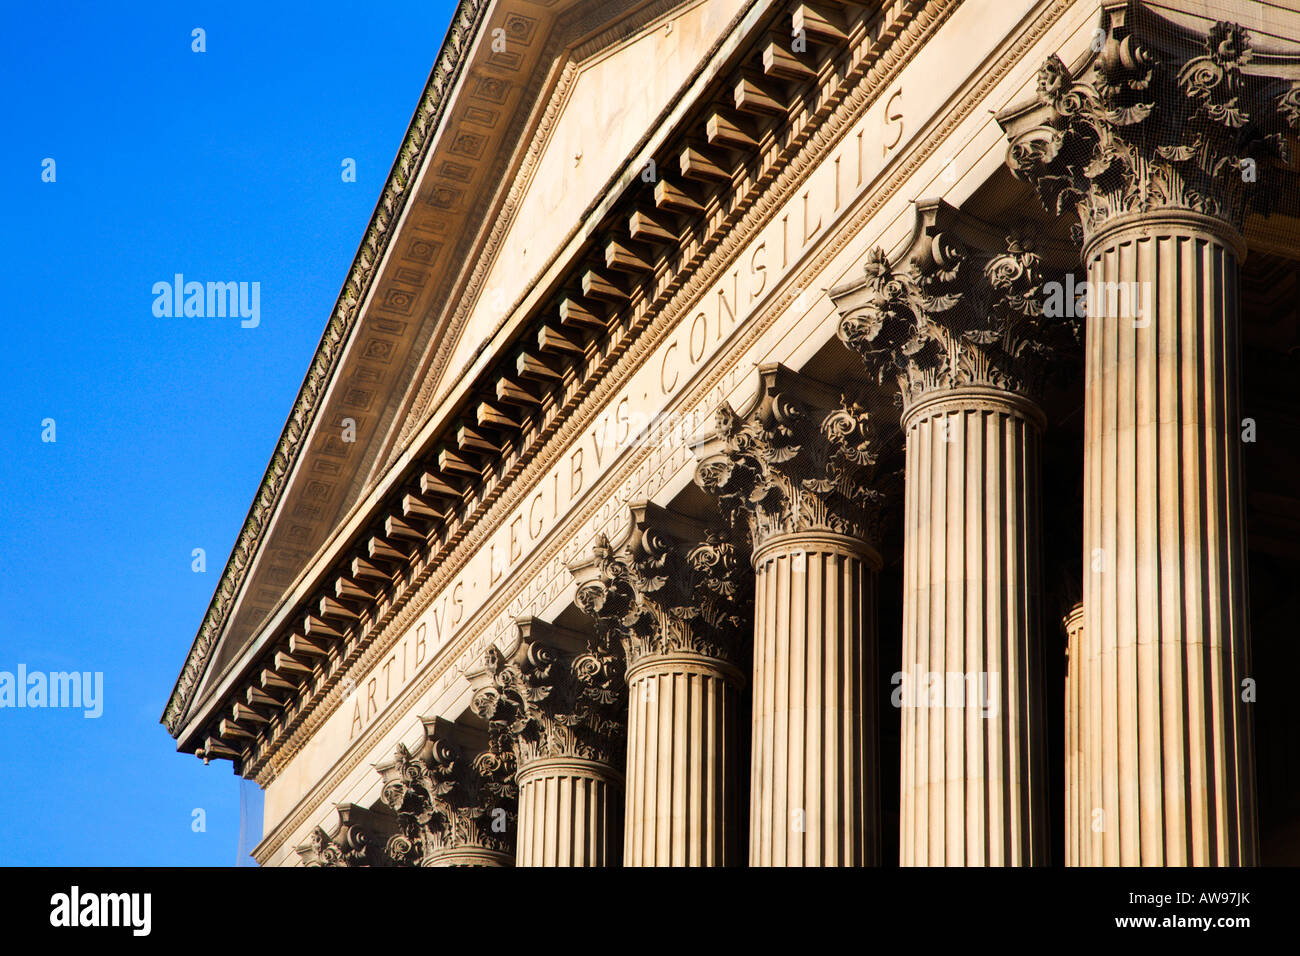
column 949, row 312
column 453, row 59
column 1157, row 118
column 553, row 693
column 672, row 586
column 358, row 840
column 453, row 791
column 800, row 460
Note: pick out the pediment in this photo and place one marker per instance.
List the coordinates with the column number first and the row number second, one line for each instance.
column 608, row 92
column 487, row 187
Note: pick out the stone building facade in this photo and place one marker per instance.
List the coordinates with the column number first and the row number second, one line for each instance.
column 814, row 434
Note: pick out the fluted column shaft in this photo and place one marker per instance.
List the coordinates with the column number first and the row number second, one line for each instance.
column 568, row 813
column 1076, row 821
column 814, row 784
column 973, row 770
column 683, row 791
column 1166, row 640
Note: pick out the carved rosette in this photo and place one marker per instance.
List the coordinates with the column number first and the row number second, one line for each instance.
column 1158, row 119
column 799, row 461
column 359, row 839
column 554, row 694
column 673, row 586
column 949, row 314
column 453, row 791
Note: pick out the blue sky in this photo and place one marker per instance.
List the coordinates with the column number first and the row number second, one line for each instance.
column 226, row 166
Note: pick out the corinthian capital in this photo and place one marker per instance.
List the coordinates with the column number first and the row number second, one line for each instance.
column 553, row 693
column 358, row 839
column 454, row 790
column 672, row 585
column 802, row 459
column 1156, row 118
column 962, row 305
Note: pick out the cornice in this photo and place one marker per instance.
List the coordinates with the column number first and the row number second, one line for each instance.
column 765, row 194
column 576, row 22
column 423, row 407
column 838, row 72
column 361, row 276
column 856, row 217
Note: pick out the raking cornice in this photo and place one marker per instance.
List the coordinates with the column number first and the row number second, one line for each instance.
column 392, row 202
column 1035, row 25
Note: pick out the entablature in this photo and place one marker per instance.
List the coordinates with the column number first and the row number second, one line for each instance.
column 643, row 244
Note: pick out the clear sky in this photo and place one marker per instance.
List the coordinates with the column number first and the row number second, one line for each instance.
column 224, row 165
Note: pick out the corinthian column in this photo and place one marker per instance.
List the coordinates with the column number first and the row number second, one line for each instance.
column 454, row 797
column 358, row 839
column 557, row 702
column 795, row 472
column 961, row 328
column 1161, row 145
column 677, row 598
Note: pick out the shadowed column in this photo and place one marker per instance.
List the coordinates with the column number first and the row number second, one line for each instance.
column 557, row 702
column 960, row 326
column 796, row 473
column 1161, row 145
column 1076, row 822
column 973, row 787
column 677, row 597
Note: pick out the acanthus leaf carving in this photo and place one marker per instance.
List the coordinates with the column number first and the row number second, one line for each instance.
column 800, row 460
column 952, row 313
column 1156, row 120
column 455, row 790
column 361, row 838
column 552, row 694
column 674, row 585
